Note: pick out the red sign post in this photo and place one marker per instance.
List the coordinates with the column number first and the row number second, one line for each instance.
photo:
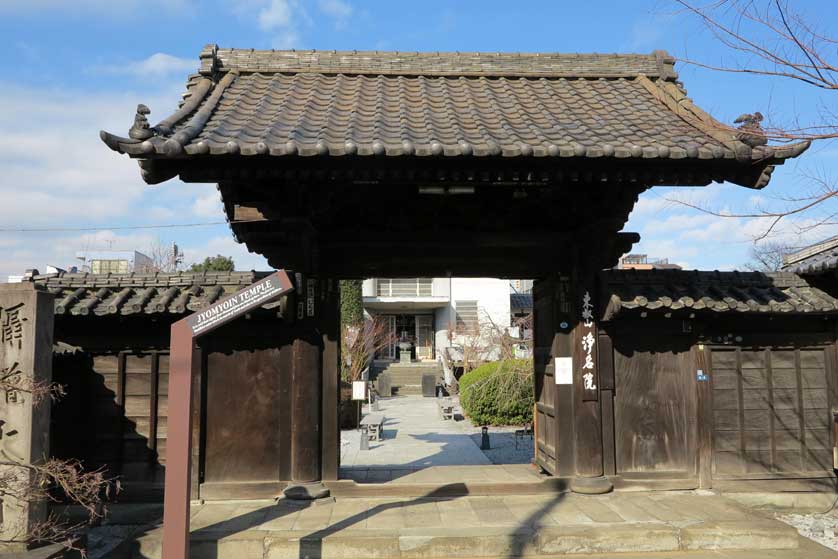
column 179, row 443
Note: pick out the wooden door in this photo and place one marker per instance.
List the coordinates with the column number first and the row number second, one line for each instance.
column 771, row 412
column 655, row 423
column 248, row 416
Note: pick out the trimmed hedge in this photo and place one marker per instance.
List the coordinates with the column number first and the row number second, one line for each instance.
column 499, row 393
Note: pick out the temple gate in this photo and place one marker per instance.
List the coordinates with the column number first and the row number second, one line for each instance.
column 360, row 164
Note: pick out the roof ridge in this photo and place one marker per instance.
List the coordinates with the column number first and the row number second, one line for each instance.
column 810, row 250
column 455, row 63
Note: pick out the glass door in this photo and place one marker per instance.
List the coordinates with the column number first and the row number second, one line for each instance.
column 389, row 350
column 424, row 336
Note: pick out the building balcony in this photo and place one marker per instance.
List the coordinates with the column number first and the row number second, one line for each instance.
column 405, row 294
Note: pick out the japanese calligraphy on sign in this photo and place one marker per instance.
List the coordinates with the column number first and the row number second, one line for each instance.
column 589, row 378
column 12, row 380
column 11, row 326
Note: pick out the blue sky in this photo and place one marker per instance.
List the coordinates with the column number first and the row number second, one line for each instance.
column 73, row 68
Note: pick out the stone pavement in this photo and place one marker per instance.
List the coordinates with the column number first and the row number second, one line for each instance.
column 414, row 437
column 509, row 526
column 418, row 446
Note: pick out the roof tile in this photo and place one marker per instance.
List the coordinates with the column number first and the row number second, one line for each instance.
column 664, row 291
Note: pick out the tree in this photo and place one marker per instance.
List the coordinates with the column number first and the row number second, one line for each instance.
column 768, row 256
column 769, row 38
column 216, row 263
column 360, row 343
column 165, row 257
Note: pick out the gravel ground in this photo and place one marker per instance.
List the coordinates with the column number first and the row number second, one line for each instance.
column 502, row 441
column 822, row 528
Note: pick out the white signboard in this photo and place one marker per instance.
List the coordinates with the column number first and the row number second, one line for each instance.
column 359, row 390
column 564, row 370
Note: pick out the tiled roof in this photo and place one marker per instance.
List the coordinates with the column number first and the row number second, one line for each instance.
column 664, row 291
column 816, row 259
column 135, row 293
column 308, row 103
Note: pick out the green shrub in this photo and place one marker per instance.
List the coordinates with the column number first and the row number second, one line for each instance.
column 499, row 393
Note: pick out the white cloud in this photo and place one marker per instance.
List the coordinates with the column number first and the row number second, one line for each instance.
column 285, row 40
column 55, row 168
column 158, row 65
column 58, row 174
column 277, row 14
column 209, row 205
column 286, row 20
column 340, row 10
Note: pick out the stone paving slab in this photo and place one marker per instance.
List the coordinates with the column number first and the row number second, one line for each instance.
column 465, row 527
column 414, row 437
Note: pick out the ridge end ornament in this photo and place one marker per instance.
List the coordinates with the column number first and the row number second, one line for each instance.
column 140, row 130
column 750, row 129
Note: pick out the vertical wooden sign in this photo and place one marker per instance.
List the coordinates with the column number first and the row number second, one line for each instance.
column 588, row 339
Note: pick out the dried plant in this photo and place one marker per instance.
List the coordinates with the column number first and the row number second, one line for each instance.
column 55, row 480
column 486, row 341
column 14, row 383
column 359, row 344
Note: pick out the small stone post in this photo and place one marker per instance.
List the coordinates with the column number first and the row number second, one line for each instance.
column 26, row 336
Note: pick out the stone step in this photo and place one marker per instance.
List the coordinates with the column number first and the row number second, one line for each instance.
column 400, row 534
column 406, row 379
column 418, row 372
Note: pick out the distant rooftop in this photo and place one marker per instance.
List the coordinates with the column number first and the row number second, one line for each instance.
column 815, row 259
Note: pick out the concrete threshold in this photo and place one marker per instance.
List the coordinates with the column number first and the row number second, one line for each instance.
column 350, row 488
column 496, row 541
column 517, row 526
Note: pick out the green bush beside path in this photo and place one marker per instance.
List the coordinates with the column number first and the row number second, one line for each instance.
column 499, row 393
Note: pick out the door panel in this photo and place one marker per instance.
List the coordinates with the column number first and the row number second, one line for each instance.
column 771, row 412
column 654, row 406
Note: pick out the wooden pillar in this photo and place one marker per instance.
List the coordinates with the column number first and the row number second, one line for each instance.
column 198, row 436
column 306, row 392
column 565, row 402
column 330, row 332
column 579, row 341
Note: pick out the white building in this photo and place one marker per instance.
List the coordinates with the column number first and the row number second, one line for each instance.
column 431, row 312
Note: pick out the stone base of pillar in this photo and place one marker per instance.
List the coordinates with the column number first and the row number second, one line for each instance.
column 306, row 491
column 591, row 485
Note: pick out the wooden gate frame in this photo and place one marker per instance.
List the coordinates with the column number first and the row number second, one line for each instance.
column 179, row 442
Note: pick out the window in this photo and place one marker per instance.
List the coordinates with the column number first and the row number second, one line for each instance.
column 467, row 319
column 109, row 266
column 404, row 287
